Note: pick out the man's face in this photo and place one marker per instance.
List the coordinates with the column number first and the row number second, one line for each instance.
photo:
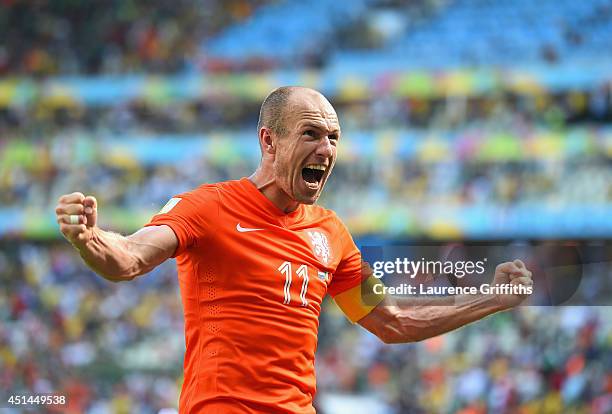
column 306, row 155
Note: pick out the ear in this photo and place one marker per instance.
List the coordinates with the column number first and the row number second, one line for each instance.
column 266, row 141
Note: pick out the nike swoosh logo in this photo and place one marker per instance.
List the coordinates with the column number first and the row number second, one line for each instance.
column 245, row 229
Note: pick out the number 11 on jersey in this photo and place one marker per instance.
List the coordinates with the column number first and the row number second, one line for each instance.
column 302, row 272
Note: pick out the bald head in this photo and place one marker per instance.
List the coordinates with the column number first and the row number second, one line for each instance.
column 275, row 108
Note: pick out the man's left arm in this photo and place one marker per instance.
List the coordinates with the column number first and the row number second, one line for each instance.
column 399, row 320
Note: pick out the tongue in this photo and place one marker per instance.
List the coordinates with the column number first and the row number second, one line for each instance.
column 309, row 175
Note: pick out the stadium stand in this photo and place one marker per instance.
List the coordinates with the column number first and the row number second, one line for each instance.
column 430, row 34
column 484, row 32
column 65, row 37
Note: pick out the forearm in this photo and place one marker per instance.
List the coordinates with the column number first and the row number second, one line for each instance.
column 109, row 254
column 400, row 320
column 424, row 318
column 113, row 256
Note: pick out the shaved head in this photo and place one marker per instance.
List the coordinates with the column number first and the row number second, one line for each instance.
column 274, row 109
column 272, row 112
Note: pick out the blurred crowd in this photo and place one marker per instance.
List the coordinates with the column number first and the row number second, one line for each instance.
column 118, row 348
column 504, row 151
column 437, row 173
column 504, row 109
column 107, row 348
column 532, row 360
column 69, row 37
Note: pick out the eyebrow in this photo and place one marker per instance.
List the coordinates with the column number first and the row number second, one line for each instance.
column 319, row 127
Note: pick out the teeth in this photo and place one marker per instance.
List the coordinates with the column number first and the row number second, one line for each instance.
column 321, row 167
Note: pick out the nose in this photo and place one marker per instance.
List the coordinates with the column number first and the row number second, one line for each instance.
column 325, row 148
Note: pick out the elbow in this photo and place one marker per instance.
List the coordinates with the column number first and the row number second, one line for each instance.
column 136, row 269
column 118, row 275
column 389, row 338
column 402, row 329
column 116, row 278
column 399, row 331
column 120, row 279
column 397, row 338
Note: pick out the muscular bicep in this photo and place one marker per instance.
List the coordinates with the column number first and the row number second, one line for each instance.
column 152, row 245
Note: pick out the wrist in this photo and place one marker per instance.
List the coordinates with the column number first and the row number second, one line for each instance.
column 84, row 243
column 500, row 303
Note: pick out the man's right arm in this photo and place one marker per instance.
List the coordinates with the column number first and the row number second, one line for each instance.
column 111, row 255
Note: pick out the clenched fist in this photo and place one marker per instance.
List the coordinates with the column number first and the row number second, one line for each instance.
column 77, row 216
column 512, row 274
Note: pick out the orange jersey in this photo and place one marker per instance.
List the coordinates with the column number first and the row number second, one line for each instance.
column 252, row 280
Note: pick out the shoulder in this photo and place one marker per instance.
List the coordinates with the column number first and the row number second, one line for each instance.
column 193, row 201
column 230, row 186
column 340, row 230
column 211, row 191
column 319, row 213
column 219, row 194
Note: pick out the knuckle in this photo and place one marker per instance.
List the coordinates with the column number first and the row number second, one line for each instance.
column 76, row 197
column 73, row 209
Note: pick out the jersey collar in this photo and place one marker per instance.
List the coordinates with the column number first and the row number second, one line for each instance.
column 266, row 204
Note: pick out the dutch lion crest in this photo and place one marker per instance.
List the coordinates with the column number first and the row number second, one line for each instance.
column 320, row 245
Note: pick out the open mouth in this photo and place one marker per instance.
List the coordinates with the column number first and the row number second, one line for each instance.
column 313, row 174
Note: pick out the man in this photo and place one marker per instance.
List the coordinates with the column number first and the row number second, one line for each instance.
column 255, row 259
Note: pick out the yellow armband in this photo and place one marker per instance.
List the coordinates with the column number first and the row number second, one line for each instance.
column 359, row 301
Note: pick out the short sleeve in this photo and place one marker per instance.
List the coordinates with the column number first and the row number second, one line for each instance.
column 348, row 272
column 351, row 282
column 190, row 215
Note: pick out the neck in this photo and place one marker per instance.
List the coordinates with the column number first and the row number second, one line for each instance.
column 266, row 184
